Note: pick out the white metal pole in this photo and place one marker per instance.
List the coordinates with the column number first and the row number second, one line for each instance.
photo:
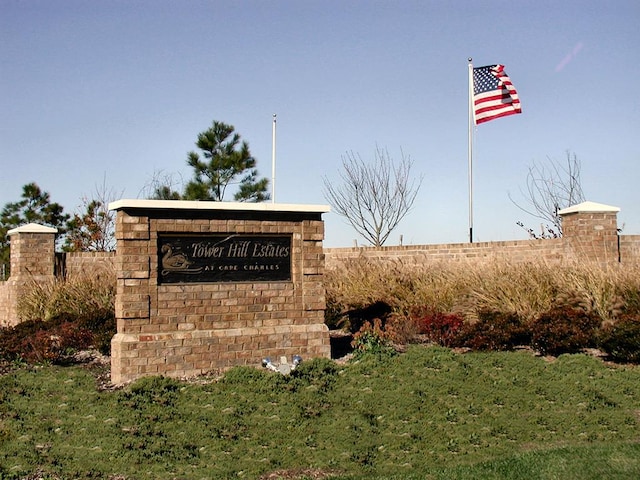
column 471, row 124
column 273, row 160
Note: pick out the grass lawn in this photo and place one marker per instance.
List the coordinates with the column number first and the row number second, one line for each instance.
column 426, row 413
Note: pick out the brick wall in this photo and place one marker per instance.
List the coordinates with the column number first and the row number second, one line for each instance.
column 81, row 263
column 589, row 235
column 548, row 250
column 629, row 248
column 188, row 329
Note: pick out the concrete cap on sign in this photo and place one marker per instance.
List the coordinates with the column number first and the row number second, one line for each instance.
column 208, row 205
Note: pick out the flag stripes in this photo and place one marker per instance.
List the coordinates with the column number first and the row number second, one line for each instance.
column 494, row 94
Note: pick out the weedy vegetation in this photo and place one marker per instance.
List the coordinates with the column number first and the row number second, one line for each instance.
column 426, row 413
column 458, row 372
column 492, row 305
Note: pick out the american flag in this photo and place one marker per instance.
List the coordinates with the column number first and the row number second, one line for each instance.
column 494, row 95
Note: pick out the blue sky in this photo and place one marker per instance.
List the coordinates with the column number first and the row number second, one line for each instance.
column 114, row 91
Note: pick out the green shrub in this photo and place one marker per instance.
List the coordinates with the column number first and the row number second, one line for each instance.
column 319, row 372
column 372, row 340
column 152, row 390
column 621, row 341
column 493, row 331
column 260, row 380
column 103, row 330
column 564, row 330
column 244, row 375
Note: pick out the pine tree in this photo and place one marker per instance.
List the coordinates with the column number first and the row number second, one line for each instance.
column 225, row 160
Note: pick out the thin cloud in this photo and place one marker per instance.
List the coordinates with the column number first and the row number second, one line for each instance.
column 570, row 56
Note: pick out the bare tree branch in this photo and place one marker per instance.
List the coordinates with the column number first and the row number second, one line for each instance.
column 550, row 188
column 163, row 186
column 375, row 197
column 92, row 228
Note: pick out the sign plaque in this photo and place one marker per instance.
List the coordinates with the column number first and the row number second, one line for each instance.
column 207, row 258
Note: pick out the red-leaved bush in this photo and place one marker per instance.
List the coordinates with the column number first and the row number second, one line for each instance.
column 493, row 331
column 37, row 341
column 564, row 330
column 52, row 345
column 440, row 328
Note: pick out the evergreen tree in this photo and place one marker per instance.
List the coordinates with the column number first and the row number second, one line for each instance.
column 164, row 192
column 225, row 161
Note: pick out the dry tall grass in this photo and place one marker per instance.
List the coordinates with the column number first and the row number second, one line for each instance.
column 526, row 289
column 83, row 297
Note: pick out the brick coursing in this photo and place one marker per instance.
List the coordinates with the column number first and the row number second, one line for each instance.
column 549, row 250
column 189, row 329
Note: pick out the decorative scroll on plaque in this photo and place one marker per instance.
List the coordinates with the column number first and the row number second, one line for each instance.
column 223, row 258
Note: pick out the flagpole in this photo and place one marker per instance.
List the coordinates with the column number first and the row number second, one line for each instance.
column 470, row 150
column 273, row 160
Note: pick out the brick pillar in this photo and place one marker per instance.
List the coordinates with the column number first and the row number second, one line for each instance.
column 32, row 260
column 132, row 304
column 590, row 231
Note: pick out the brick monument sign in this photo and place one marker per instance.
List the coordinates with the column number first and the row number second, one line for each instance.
column 208, row 285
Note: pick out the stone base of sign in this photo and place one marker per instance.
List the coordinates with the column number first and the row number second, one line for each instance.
column 193, row 353
column 177, row 317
